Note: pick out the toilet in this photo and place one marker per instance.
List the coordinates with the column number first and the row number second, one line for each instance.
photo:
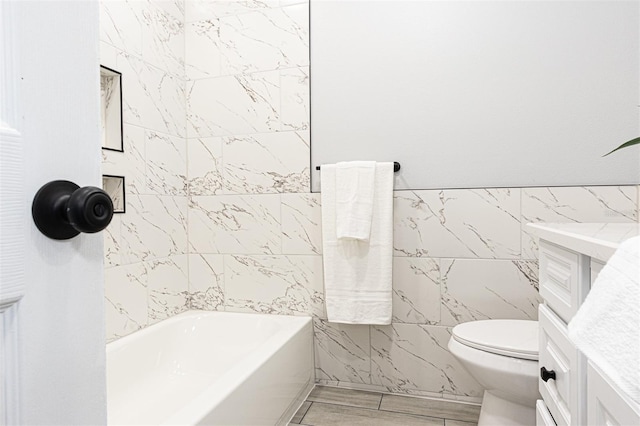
column 502, row 355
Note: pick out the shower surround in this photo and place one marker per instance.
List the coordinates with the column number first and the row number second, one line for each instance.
column 219, row 214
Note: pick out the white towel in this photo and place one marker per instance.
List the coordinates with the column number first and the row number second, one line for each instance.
column 355, row 182
column 357, row 274
column 606, row 328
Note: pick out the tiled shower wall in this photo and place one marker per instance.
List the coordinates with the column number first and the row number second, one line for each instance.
column 146, row 247
column 253, row 237
column 248, row 169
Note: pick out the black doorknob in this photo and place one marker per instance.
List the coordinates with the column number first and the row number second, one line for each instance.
column 61, row 209
column 545, row 374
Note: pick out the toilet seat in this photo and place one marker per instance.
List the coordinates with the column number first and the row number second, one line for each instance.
column 512, row 338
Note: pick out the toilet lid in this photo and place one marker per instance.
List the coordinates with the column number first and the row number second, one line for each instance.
column 513, row 338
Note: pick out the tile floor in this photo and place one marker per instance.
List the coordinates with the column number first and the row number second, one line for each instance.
column 330, row 406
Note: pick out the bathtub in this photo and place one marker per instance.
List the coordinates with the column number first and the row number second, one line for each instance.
column 216, row 368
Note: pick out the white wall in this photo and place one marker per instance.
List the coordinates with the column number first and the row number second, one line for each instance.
column 61, row 317
column 469, row 94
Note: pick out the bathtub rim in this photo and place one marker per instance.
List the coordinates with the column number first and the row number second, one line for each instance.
column 196, row 313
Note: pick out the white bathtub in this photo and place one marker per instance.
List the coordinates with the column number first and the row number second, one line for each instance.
column 215, row 368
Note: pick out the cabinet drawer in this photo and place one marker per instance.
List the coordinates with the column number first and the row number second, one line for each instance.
column 606, row 405
column 563, row 395
column 543, row 417
column 564, row 279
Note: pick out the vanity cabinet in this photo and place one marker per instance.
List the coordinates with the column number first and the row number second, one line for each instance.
column 573, row 391
column 564, row 283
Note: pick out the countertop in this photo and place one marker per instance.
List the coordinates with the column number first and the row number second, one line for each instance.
column 597, row 240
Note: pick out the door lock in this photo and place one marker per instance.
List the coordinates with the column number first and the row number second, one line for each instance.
column 61, row 209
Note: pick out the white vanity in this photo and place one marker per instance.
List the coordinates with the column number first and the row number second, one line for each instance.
column 573, row 390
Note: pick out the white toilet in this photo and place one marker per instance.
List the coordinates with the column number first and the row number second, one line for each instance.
column 502, row 355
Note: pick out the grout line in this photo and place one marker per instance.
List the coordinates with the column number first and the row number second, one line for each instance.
column 305, row 413
column 370, row 347
column 280, row 223
column 399, row 413
column 521, row 257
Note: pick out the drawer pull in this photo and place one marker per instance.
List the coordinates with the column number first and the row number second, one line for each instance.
column 545, row 374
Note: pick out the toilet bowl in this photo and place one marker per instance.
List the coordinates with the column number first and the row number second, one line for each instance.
column 502, row 355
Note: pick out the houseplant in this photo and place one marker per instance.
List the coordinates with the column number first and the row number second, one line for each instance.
column 624, row 145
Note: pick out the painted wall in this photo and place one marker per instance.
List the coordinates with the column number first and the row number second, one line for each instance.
column 253, row 232
column 478, row 94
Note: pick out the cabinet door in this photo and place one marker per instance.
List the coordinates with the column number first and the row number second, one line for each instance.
column 564, row 395
column 564, row 279
column 607, row 406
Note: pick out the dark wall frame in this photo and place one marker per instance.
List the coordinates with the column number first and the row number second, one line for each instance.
column 119, row 75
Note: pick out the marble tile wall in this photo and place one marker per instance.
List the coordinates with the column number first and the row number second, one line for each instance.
column 253, row 226
column 222, row 218
column 146, row 258
column 459, row 255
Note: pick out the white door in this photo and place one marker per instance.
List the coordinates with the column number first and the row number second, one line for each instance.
column 52, row 345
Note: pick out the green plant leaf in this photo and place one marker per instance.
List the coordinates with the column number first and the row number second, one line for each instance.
column 624, row 145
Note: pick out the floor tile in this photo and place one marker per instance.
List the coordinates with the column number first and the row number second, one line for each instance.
column 431, row 407
column 448, row 422
column 341, row 396
column 297, row 418
column 321, row 414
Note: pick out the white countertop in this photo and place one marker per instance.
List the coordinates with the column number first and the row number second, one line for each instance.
column 597, row 240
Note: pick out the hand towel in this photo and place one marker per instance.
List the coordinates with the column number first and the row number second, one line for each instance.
column 606, row 328
column 355, row 182
column 357, row 274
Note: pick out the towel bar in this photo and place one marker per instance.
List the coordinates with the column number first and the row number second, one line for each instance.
column 396, row 166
